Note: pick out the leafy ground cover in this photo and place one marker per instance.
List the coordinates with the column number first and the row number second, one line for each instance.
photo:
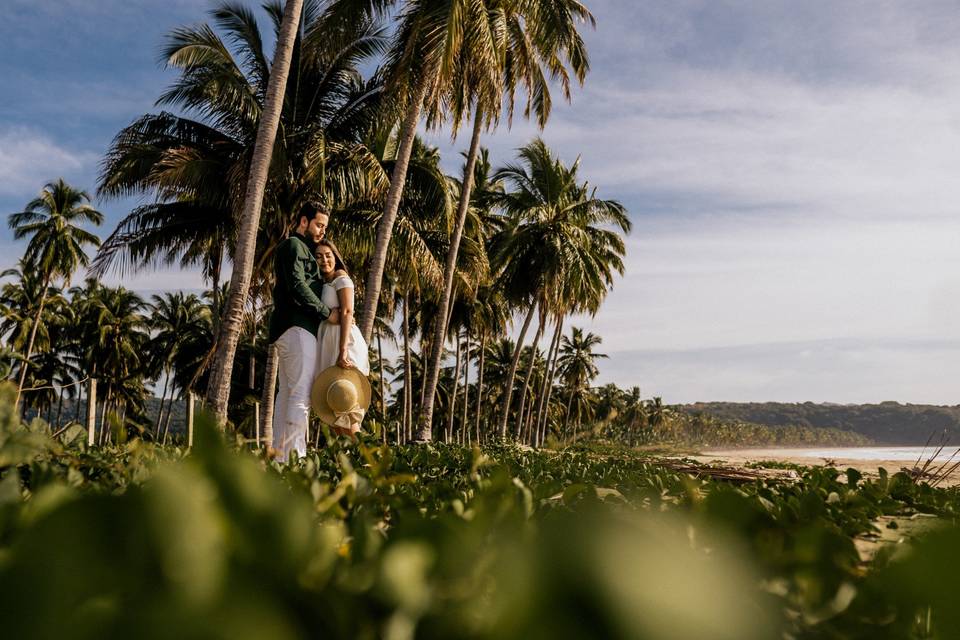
column 366, row 541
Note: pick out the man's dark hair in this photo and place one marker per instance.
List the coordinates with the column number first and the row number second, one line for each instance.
column 311, row 209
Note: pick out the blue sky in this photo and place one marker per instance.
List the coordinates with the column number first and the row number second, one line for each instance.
column 790, row 168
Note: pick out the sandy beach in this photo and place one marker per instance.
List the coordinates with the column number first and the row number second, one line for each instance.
column 870, row 467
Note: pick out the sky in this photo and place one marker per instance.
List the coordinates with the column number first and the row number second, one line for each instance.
column 791, row 171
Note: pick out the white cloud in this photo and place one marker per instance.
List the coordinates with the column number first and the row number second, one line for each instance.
column 746, row 141
column 148, row 281
column 29, row 159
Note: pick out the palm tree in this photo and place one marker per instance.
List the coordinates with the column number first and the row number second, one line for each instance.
column 56, row 245
column 434, row 45
column 558, row 245
column 84, row 302
column 55, row 370
column 421, row 239
column 19, row 304
column 531, row 365
column 174, row 318
column 581, row 405
column 218, row 389
column 546, row 389
column 116, row 348
column 379, row 369
column 498, row 358
column 528, row 37
column 489, row 318
column 577, row 364
column 420, row 233
column 655, row 413
column 489, row 312
column 634, row 414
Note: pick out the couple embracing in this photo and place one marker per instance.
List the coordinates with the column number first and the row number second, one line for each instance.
column 322, row 357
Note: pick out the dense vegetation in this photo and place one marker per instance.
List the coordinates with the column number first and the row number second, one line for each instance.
column 884, row 423
column 525, row 239
column 699, row 429
column 444, row 541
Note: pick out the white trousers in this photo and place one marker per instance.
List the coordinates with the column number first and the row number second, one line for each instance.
column 297, row 355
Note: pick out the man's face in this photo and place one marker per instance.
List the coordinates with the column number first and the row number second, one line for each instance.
column 317, row 228
column 314, row 228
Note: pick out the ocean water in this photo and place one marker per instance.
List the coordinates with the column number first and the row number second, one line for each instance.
column 910, row 454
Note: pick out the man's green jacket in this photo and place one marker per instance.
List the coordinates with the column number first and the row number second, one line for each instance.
column 295, row 301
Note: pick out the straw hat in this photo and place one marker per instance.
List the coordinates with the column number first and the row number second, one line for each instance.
column 340, row 397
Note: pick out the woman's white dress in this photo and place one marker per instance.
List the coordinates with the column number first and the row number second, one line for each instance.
column 328, row 338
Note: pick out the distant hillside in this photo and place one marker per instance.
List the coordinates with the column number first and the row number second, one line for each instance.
column 884, row 423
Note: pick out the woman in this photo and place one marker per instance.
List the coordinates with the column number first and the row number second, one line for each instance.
column 339, row 344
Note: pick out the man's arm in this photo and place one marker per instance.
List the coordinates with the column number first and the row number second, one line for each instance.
column 299, row 287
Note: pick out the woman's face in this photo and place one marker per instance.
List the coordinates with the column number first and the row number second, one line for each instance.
column 326, row 260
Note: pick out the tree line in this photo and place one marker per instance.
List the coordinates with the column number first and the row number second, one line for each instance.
column 891, row 423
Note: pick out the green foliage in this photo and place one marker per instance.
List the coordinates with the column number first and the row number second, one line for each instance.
column 629, row 419
column 444, row 541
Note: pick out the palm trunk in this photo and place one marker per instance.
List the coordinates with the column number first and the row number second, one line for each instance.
column 76, row 409
column 529, row 433
column 508, row 392
column 169, row 419
column 526, row 379
column 436, row 355
column 218, row 390
column 371, row 291
column 163, row 398
column 464, row 427
column 215, row 301
column 269, row 395
column 483, row 356
column 104, row 420
column 31, row 340
column 166, row 423
column 407, row 371
column 169, row 413
column 455, row 380
column 405, row 408
column 383, row 397
column 566, row 418
column 550, row 387
column 543, row 403
column 252, row 381
column 59, row 407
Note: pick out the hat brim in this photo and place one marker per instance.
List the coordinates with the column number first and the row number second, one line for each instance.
column 318, row 392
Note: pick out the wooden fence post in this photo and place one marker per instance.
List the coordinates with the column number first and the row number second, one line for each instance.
column 190, row 418
column 91, row 411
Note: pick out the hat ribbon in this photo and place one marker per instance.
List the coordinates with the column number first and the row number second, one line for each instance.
column 349, row 419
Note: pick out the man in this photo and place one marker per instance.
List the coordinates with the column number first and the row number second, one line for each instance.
column 297, row 314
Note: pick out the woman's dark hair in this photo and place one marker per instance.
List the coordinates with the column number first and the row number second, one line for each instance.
column 338, row 263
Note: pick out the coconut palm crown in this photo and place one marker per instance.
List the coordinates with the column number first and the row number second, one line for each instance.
column 56, row 247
